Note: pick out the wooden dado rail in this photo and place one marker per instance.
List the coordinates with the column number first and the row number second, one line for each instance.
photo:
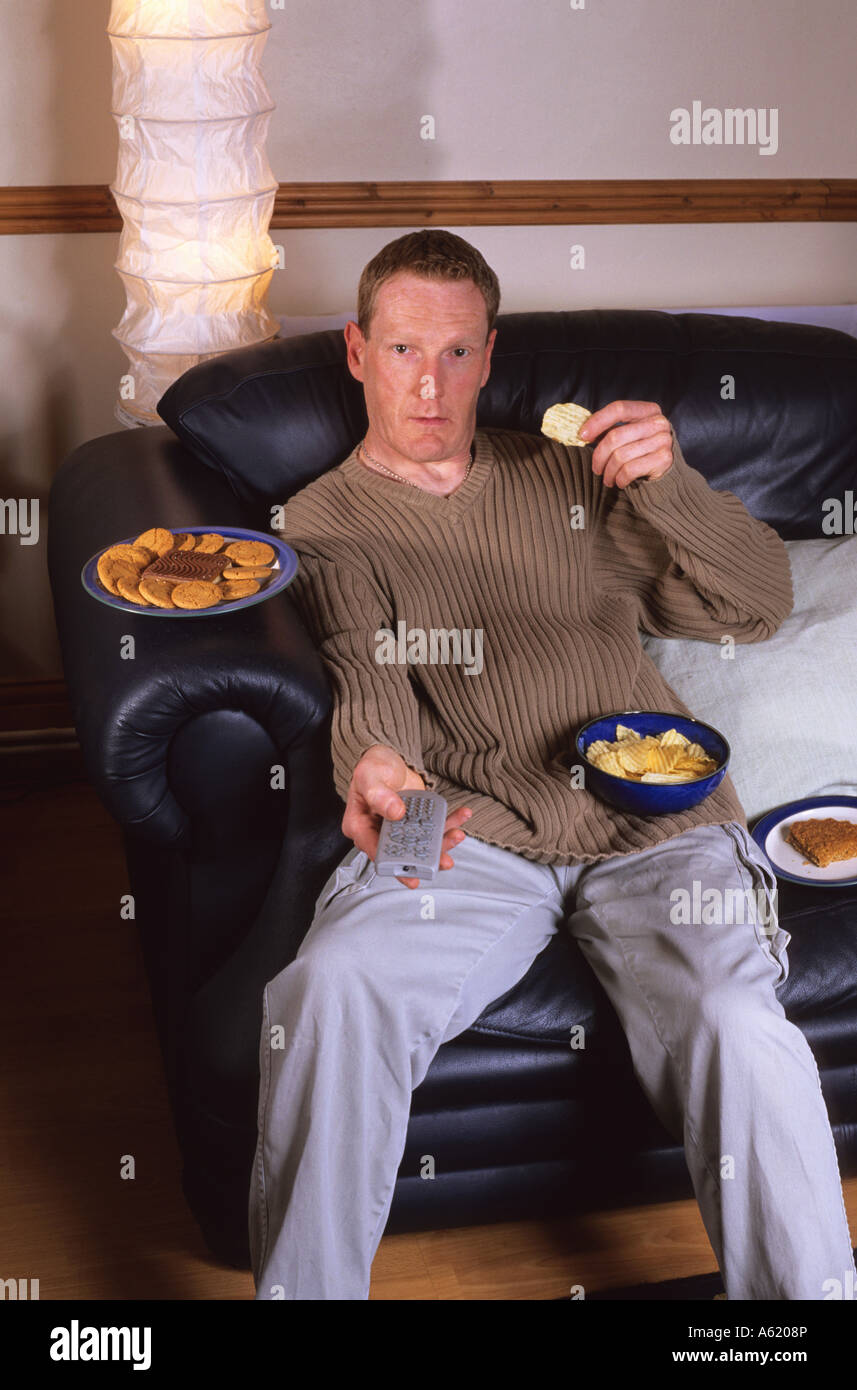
column 91, row 207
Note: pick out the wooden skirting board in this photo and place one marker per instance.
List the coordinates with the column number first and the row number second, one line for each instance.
column 34, row 705
column 38, row 743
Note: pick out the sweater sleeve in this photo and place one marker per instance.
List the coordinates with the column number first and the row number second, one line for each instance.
column 372, row 702
column 700, row 564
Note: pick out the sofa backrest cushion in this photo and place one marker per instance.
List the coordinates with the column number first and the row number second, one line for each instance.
column 763, row 409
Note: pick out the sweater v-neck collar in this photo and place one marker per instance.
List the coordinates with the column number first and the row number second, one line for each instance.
column 453, row 505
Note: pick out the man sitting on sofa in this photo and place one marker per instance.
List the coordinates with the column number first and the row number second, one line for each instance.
column 433, row 524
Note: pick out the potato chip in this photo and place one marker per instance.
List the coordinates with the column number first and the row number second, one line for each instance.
column 694, row 751
column 663, row 759
column 666, row 757
column 623, row 732
column 634, row 755
column 697, row 767
column 673, row 736
column 667, row 777
column 608, row 762
column 561, row 422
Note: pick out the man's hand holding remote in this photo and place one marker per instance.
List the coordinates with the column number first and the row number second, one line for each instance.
column 379, row 775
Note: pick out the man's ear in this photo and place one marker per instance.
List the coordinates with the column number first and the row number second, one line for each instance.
column 356, row 346
column 489, row 346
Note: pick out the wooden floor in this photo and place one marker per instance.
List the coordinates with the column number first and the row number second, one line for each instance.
column 82, row 1087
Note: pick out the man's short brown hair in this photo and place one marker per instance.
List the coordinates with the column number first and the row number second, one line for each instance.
column 434, row 254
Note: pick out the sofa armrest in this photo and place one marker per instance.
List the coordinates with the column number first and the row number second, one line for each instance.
column 258, row 662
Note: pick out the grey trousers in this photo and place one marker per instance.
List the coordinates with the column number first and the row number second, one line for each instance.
column 685, row 941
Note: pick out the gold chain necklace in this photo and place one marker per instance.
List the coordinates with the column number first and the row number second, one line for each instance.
column 365, row 452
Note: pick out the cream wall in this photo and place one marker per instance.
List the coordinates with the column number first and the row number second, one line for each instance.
column 517, row 91
column 534, row 89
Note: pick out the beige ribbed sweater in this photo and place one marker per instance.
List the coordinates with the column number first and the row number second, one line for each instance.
column 558, row 606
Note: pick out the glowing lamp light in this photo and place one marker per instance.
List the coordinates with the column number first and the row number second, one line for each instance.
column 194, row 188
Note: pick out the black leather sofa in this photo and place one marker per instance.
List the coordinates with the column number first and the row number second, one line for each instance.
column 179, row 742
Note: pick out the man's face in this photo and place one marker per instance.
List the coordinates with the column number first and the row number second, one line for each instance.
column 423, row 365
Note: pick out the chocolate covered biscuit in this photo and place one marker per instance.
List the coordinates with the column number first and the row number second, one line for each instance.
column 185, row 566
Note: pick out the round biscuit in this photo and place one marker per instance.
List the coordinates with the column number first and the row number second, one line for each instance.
column 131, row 591
column 239, row 588
column 196, row 593
column 247, row 572
column 183, row 541
column 210, row 543
column 137, row 555
column 156, row 591
column 250, row 553
column 110, row 570
column 157, row 539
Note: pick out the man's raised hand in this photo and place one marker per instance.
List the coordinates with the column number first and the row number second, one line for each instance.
column 640, row 448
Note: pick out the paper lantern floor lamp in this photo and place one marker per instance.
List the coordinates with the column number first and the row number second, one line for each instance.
column 194, row 188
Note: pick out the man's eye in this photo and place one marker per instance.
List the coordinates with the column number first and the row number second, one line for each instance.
column 460, row 350
column 403, row 346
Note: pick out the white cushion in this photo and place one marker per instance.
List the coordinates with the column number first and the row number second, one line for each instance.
column 787, row 705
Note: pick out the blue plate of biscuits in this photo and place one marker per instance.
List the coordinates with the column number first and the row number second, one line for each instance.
column 192, row 572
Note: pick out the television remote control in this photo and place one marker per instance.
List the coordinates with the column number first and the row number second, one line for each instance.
column 411, row 847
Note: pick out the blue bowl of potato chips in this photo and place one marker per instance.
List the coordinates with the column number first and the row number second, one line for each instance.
column 651, row 762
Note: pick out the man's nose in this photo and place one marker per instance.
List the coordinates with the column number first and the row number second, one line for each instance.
column 430, row 384
column 428, row 387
